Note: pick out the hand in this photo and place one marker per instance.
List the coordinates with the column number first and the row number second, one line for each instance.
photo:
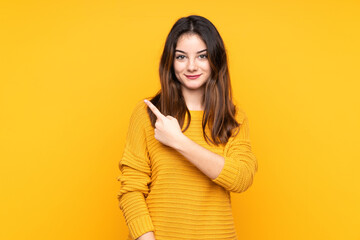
column 167, row 128
column 147, row 236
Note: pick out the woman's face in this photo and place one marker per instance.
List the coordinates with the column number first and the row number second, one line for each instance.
column 191, row 65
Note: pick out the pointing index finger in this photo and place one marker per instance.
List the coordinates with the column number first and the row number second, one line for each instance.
column 156, row 111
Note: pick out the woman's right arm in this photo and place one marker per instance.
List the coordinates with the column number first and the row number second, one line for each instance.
column 136, row 176
column 147, row 236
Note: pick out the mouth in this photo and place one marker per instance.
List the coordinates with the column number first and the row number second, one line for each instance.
column 193, row 76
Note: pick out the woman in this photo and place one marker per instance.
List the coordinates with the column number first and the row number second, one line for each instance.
column 188, row 147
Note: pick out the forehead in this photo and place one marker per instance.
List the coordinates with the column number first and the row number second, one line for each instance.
column 190, row 43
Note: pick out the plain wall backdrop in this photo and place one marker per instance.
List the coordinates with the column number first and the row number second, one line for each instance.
column 72, row 72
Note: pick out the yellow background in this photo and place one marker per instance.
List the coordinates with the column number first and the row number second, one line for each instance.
column 72, row 71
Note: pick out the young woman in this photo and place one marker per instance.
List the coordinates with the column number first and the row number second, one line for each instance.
column 187, row 147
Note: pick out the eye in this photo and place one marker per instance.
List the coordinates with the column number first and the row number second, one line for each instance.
column 180, row 57
column 203, row 56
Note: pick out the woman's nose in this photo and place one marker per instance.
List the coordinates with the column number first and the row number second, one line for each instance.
column 192, row 65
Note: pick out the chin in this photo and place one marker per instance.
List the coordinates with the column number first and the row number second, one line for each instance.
column 192, row 87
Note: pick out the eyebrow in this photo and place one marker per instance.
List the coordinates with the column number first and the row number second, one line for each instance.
column 177, row 50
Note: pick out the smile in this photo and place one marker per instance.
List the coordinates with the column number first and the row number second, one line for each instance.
column 192, row 76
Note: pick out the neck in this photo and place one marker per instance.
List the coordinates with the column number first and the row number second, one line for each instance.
column 193, row 98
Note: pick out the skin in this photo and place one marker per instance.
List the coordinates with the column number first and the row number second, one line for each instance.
column 191, row 59
column 188, row 61
column 147, row 236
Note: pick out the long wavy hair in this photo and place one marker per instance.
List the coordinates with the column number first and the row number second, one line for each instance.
column 219, row 110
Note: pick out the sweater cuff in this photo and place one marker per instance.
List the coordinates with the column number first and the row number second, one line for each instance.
column 227, row 174
column 140, row 225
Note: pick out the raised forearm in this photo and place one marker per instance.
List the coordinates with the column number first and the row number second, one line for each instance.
column 168, row 131
column 205, row 160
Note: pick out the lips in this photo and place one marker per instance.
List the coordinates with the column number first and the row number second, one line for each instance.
column 193, row 76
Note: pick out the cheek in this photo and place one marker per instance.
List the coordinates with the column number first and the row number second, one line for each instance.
column 178, row 67
column 206, row 66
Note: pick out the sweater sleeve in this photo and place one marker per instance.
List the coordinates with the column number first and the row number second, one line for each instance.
column 135, row 176
column 240, row 162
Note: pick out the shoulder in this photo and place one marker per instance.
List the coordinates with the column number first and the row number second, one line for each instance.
column 140, row 107
column 139, row 112
column 240, row 114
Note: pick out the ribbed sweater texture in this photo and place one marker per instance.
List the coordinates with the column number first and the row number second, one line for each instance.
column 163, row 192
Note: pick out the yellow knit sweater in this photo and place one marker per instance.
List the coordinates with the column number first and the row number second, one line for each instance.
column 161, row 191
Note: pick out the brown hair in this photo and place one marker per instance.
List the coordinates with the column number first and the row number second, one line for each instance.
column 219, row 111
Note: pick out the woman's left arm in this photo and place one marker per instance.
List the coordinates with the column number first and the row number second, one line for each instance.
column 205, row 160
column 234, row 170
